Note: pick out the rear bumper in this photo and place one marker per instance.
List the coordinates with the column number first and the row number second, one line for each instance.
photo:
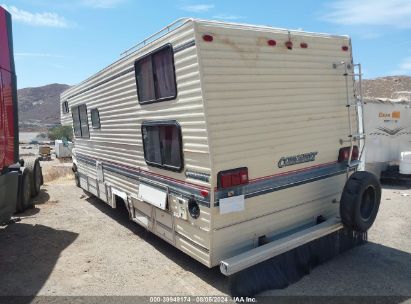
column 260, row 254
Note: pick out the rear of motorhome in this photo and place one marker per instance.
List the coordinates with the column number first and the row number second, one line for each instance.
column 222, row 138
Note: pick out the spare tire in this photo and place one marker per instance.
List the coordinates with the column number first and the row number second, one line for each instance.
column 360, row 201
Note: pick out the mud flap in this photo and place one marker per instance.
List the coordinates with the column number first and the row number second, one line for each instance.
column 9, row 189
column 289, row 267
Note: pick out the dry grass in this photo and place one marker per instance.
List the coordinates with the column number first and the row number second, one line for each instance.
column 57, row 173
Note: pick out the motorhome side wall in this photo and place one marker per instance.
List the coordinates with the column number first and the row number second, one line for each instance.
column 118, row 143
column 267, row 102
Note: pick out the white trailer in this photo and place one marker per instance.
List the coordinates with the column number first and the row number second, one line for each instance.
column 387, row 125
column 223, row 137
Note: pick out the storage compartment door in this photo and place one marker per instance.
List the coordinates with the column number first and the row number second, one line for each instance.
column 153, row 195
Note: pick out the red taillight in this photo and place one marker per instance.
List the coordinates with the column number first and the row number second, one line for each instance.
column 208, row 38
column 204, row 193
column 344, row 154
column 244, row 176
column 231, row 178
column 225, row 180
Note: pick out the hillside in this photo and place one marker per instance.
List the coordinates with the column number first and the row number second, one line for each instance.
column 39, row 106
column 388, row 87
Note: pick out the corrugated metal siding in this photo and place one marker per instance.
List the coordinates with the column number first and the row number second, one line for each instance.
column 120, row 140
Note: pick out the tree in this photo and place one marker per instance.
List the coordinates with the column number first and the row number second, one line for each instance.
column 61, row 132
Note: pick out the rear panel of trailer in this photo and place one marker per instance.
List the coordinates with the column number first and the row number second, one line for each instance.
column 264, row 102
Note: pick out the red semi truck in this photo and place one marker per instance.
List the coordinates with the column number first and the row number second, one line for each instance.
column 19, row 179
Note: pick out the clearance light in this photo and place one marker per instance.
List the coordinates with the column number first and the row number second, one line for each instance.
column 344, row 154
column 231, row 178
column 289, row 45
column 344, row 48
column 272, row 42
column 303, row 45
column 208, row 38
column 204, row 193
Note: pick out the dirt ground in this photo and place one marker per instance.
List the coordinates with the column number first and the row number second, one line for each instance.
column 70, row 244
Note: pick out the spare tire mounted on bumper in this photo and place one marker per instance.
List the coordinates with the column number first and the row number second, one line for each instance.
column 360, row 201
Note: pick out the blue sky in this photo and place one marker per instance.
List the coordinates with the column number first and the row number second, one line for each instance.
column 67, row 41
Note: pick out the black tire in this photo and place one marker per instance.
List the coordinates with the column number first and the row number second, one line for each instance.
column 33, row 165
column 24, row 201
column 77, row 179
column 360, row 201
column 76, row 175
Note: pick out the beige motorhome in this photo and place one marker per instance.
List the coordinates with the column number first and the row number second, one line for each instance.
column 222, row 137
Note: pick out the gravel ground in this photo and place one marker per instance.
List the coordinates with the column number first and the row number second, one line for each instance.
column 74, row 245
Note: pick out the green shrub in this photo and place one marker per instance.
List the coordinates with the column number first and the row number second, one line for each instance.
column 61, row 132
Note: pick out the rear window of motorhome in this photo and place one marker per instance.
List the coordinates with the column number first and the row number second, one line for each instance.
column 155, row 76
column 163, row 145
column 80, row 121
column 95, row 118
column 65, row 107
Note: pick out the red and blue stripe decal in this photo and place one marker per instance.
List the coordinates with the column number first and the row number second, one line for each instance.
column 255, row 187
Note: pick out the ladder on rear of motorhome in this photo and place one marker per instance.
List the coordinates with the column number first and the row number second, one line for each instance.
column 352, row 72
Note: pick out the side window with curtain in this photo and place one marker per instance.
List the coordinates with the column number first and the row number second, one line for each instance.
column 65, row 107
column 145, row 80
column 76, row 121
column 95, row 118
column 155, row 76
column 162, row 144
column 164, row 75
column 85, row 133
column 80, row 121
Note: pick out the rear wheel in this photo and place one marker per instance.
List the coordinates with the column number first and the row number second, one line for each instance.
column 33, row 165
column 76, row 175
column 77, row 179
column 24, row 201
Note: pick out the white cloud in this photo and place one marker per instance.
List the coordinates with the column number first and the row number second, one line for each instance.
column 198, row 8
column 36, row 19
column 394, row 13
column 101, row 3
column 47, row 55
column 404, row 68
column 406, row 64
column 227, row 17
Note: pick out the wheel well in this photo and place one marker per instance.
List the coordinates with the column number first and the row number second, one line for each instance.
column 120, row 203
